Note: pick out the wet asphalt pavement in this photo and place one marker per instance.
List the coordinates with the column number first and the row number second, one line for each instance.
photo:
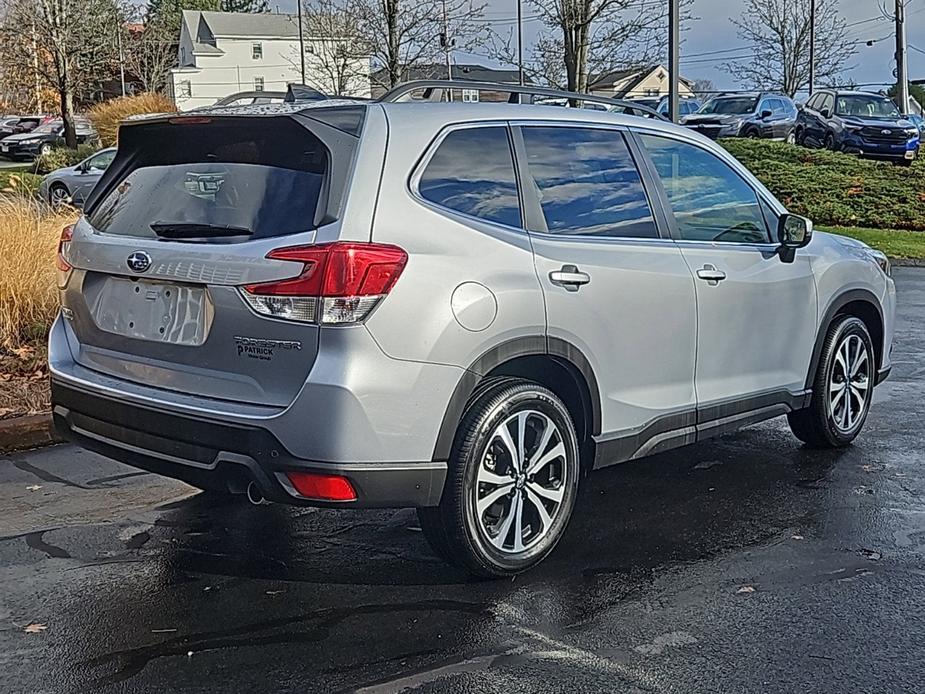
column 744, row 564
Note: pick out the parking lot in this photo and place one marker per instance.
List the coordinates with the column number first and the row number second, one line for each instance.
column 744, row 564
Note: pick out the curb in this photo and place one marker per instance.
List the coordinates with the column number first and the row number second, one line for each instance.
column 907, row 262
column 33, row 431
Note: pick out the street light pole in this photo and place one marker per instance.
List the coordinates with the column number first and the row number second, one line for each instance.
column 812, row 46
column 674, row 58
column 121, row 58
column 301, row 40
column 902, row 70
column 520, row 43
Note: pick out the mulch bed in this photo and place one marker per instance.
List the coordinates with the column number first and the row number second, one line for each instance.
column 23, row 381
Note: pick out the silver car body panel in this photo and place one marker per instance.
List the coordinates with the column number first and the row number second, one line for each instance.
column 671, row 358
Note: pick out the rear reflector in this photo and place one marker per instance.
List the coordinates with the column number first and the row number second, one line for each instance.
column 340, row 282
column 61, row 264
column 313, row 485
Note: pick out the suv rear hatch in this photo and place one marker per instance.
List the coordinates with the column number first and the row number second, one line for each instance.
column 181, row 222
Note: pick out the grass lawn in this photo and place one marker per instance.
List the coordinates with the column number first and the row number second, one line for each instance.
column 896, row 244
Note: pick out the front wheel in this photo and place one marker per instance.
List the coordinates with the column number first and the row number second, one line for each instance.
column 791, row 138
column 511, row 483
column 842, row 389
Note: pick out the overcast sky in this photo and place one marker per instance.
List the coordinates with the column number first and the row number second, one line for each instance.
column 713, row 31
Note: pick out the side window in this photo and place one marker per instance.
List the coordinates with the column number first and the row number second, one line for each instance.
column 765, row 105
column 472, row 172
column 779, row 107
column 587, row 183
column 710, row 201
column 828, row 103
column 815, row 102
column 102, row 161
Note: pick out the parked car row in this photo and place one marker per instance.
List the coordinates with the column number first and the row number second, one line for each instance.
column 32, row 142
column 862, row 123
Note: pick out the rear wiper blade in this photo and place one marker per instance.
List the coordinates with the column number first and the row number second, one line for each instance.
column 184, row 230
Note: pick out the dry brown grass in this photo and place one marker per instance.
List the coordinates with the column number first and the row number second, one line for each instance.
column 29, row 232
column 107, row 115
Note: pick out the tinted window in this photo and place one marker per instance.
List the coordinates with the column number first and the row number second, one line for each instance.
column 587, row 183
column 779, row 106
column 827, row 103
column 223, row 177
column 472, row 172
column 739, row 105
column 710, row 201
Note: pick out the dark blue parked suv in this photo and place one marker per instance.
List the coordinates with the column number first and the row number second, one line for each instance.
column 859, row 123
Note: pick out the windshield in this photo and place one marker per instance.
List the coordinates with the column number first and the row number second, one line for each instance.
column 50, row 127
column 866, row 106
column 730, row 105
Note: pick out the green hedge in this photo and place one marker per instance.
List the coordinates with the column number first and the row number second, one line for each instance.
column 835, row 189
column 60, row 157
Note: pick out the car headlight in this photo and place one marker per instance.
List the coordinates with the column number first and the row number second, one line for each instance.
column 884, row 262
column 912, row 131
column 852, row 127
column 30, row 141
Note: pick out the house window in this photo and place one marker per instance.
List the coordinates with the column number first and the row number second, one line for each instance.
column 653, row 92
column 470, row 95
column 186, row 90
column 257, row 50
column 258, row 84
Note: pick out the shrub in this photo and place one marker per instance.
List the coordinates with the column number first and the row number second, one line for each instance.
column 107, row 115
column 837, row 189
column 19, row 183
column 60, row 157
column 29, row 232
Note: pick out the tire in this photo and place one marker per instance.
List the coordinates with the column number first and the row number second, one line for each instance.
column 482, row 538
column 830, row 420
column 752, row 134
column 829, row 142
column 791, row 138
column 44, row 149
column 58, row 195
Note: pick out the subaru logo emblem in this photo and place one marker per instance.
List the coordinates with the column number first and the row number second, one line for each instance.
column 886, row 132
column 139, row 261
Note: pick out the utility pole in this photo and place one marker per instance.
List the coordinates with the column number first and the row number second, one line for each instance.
column 447, row 45
column 301, row 40
column 812, row 46
column 520, row 43
column 121, row 58
column 674, row 58
column 39, row 106
column 902, row 72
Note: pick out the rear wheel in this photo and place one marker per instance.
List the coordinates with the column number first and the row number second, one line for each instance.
column 842, row 389
column 511, row 484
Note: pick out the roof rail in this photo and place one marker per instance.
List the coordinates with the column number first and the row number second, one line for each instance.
column 515, row 92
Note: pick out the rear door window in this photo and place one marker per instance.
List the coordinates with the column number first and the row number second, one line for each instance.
column 219, row 180
column 587, row 183
column 472, row 172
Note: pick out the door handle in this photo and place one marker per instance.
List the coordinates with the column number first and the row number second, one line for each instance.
column 711, row 275
column 569, row 277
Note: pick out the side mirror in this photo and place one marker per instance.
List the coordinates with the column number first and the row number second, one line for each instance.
column 793, row 232
column 766, row 114
column 825, row 113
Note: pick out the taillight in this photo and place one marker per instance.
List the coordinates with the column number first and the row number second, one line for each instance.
column 313, row 485
column 67, row 233
column 340, row 282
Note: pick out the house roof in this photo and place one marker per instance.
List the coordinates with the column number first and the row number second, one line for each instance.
column 460, row 71
column 284, row 26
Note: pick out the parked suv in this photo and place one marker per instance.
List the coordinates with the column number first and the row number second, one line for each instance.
column 455, row 308
column 771, row 116
column 859, row 123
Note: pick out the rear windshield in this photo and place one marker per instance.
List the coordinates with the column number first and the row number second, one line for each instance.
column 219, row 182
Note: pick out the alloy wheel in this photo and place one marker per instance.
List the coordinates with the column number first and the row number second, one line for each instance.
column 520, row 482
column 849, row 383
column 59, row 196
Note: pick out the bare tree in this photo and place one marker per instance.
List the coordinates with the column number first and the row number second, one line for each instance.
column 150, row 52
column 78, row 40
column 402, row 34
column 593, row 36
column 704, row 88
column 777, row 31
column 339, row 60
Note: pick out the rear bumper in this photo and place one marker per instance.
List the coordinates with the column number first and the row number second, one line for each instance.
column 215, row 455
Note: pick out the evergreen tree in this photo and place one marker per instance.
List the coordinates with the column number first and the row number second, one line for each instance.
column 245, row 5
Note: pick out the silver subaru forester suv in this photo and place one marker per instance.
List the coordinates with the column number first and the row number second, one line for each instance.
column 461, row 308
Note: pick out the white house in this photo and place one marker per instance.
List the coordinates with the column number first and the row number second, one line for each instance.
column 637, row 83
column 222, row 53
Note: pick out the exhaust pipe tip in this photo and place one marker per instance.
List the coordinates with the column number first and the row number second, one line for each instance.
column 254, row 495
